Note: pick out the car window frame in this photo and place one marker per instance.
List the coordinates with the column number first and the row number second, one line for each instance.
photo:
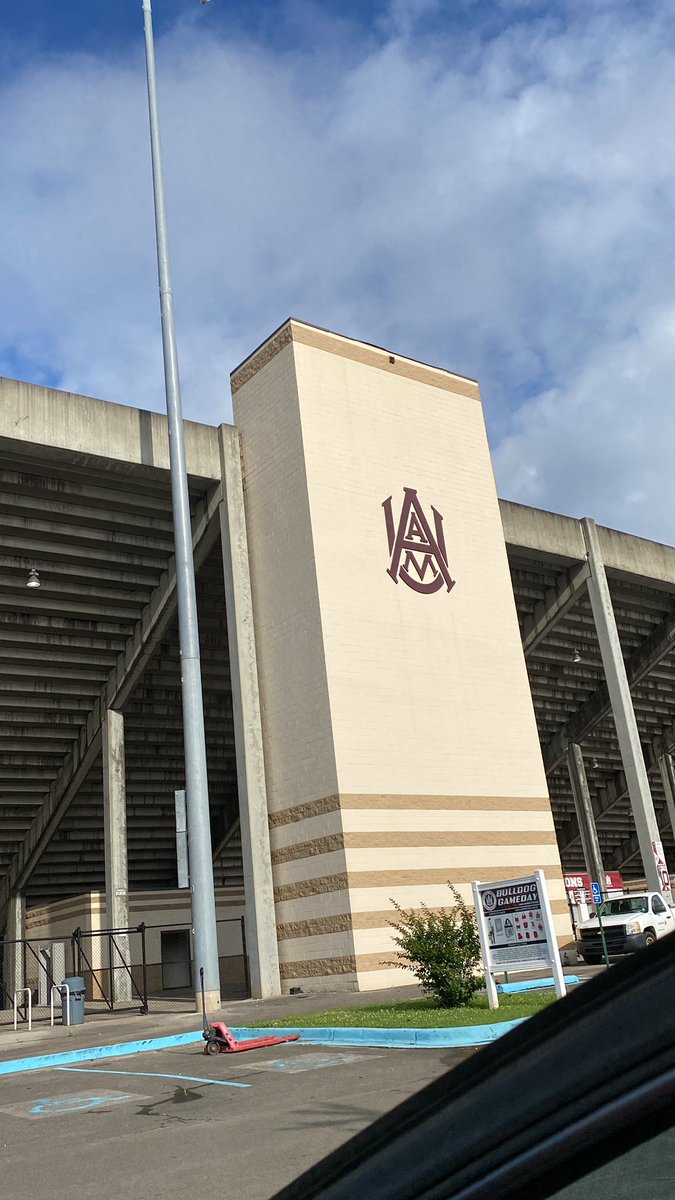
column 541, row 1107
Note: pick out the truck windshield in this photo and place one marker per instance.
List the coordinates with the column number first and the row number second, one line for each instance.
column 626, row 904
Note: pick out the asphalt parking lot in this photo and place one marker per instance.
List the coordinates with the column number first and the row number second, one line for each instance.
column 177, row 1122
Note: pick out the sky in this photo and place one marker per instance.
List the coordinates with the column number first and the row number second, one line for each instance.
column 485, row 185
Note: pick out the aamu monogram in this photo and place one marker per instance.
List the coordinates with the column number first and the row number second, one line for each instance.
column 418, row 554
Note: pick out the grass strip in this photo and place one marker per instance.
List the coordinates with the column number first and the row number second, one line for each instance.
column 416, row 1014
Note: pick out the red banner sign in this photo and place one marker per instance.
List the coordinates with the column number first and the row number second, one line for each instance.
column 582, row 883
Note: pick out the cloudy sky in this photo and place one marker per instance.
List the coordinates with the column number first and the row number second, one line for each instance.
column 487, row 185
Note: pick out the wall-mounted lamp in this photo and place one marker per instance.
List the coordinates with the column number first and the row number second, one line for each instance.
column 33, row 580
column 576, row 657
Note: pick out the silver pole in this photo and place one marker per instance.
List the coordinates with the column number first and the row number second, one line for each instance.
column 196, row 782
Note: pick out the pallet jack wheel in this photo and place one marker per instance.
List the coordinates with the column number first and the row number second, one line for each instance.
column 213, row 1047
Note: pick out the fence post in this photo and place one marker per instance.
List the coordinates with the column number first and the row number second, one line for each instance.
column 75, row 941
column 111, row 971
column 144, row 1007
column 247, row 972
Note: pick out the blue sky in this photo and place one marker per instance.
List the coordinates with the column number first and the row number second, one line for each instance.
column 488, row 186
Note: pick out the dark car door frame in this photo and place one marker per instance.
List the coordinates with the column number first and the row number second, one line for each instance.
column 583, row 1080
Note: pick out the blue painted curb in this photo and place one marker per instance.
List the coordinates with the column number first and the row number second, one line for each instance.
column 470, row 1035
column 91, row 1053
column 466, row 1035
column 533, row 985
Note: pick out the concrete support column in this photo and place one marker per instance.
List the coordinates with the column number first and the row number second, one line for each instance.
column 667, row 770
column 584, row 809
column 115, row 840
column 14, row 951
column 261, row 931
column 649, row 838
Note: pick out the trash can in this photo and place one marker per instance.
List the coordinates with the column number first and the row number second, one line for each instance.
column 76, row 999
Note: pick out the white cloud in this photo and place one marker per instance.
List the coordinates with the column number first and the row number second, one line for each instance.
column 603, row 446
column 502, row 207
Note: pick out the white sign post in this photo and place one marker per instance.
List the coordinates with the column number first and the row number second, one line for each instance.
column 515, row 926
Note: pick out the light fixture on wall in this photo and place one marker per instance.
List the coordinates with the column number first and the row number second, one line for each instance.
column 595, row 764
column 576, row 657
column 33, row 580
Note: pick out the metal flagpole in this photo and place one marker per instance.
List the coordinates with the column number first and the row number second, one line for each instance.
column 205, row 945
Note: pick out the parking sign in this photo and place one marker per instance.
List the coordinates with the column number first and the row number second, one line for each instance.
column 597, row 893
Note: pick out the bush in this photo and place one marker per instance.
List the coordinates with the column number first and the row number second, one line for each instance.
column 442, row 949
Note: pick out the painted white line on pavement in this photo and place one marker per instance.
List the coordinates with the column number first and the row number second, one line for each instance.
column 152, row 1075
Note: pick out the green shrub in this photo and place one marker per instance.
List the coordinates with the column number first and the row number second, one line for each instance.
column 442, row 949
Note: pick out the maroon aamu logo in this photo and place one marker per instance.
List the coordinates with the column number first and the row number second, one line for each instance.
column 418, row 554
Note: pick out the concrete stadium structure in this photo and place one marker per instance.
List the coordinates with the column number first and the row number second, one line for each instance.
column 381, row 717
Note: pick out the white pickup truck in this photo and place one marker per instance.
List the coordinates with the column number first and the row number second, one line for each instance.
column 628, row 922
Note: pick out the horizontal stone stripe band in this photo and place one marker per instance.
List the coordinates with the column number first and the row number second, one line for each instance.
column 309, row 968
column 323, row 845
column 340, row 923
column 311, row 887
column 394, row 838
column 344, row 922
column 328, row 804
column 394, row 879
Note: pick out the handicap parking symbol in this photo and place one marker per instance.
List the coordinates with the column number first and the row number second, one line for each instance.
column 69, row 1104
column 72, row 1104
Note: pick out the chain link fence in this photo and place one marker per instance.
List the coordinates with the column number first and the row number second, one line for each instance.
column 147, row 968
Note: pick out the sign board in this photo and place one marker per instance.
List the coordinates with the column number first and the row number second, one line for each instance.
column 182, row 864
column 660, row 860
column 516, row 931
column 597, row 893
column 579, row 890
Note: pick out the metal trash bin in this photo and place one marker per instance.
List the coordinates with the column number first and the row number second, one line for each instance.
column 75, row 997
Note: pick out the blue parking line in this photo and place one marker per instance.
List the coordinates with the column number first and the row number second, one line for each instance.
column 152, row 1075
column 534, row 985
column 39, row 1062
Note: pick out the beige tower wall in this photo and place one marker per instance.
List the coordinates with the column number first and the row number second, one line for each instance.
column 400, row 741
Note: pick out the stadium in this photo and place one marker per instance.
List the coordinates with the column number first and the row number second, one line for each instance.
column 407, row 681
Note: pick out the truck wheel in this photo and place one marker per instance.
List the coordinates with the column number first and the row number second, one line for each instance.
column 650, row 937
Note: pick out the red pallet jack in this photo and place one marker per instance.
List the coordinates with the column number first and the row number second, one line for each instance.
column 220, row 1039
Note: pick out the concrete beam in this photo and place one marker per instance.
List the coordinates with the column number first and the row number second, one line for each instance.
column 90, row 489
column 585, row 816
column 601, row 805
column 115, row 847
column 115, row 821
column 624, row 715
column 79, row 514
column 122, row 679
column 598, row 706
column 667, row 771
column 261, row 932
column 129, row 543
column 547, row 536
column 559, row 600
column 630, row 848
column 16, row 566
column 15, row 931
column 33, row 416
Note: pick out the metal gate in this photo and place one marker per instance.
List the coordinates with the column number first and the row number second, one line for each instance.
column 33, row 966
column 145, row 968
